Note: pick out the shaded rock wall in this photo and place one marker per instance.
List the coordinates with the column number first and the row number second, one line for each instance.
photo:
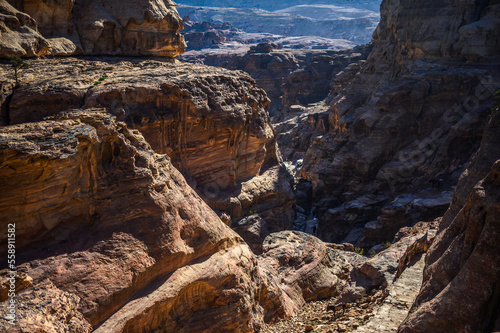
column 130, row 27
column 406, row 121
column 461, row 287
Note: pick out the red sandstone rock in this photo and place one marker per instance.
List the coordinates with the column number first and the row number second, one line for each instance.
column 304, row 267
column 213, row 123
column 131, row 27
column 104, row 218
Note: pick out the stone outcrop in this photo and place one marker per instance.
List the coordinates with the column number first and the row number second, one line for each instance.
column 106, row 226
column 460, row 290
column 19, row 35
column 407, row 120
column 304, row 268
column 378, row 272
column 132, row 27
column 110, row 238
column 213, row 123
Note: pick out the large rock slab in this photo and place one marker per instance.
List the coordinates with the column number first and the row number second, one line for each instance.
column 304, row 267
column 101, row 216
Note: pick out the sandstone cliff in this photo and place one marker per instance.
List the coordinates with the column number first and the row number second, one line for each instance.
column 460, row 291
column 101, row 216
column 110, row 238
column 69, row 27
column 405, row 122
column 213, row 123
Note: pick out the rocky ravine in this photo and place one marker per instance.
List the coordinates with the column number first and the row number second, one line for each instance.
column 404, row 123
column 289, row 77
column 109, row 236
column 68, row 27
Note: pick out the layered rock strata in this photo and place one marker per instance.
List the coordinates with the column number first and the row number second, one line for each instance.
column 110, row 238
column 460, row 290
column 289, row 77
column 405, row 122
column 106, row 219
column 69, row 27
column 213, row 123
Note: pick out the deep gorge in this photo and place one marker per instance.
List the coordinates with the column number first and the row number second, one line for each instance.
column 155, row 195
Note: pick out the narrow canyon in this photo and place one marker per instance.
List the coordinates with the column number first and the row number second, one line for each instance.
column 160, row 174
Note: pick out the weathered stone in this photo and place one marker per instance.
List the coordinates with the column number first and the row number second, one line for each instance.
column 412, row 113
column 462, row 274
column 19, row 34
column 377, row 271
column 19, row 280
column 45, row 309
column 212, row 123
column 94, row 27
column 304, row 267
column 103, row 217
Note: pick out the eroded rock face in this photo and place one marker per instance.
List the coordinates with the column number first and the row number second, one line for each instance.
column 406, row 121
column 104, row 218
column 304, row 267
column 19, row 34
column 130, row 27
column 213, row 123
column 460, row 290
column 289, row 77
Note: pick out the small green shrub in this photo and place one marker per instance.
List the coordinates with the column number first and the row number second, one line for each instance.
column 359, row 250
column 17, row 64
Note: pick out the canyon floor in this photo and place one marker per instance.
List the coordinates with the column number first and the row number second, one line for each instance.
column 381, row 312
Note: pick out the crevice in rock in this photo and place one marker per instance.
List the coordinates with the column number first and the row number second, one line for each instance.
column 5, row 111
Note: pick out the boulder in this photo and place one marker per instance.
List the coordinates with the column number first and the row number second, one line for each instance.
column 19, row 34
column 304, row 267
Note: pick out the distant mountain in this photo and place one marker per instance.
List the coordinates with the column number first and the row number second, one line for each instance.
column 373, row 5
column 329, row 21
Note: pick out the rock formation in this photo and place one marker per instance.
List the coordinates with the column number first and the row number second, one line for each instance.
column 104, row 218
column 289, row 77
column 405, row 122
column 19, row 34
column 110, row 237
column 303, row 268
column 94, row 27
column 213, row 123
column 460, row 291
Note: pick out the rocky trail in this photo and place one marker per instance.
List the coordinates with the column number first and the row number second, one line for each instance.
column 381, row 312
